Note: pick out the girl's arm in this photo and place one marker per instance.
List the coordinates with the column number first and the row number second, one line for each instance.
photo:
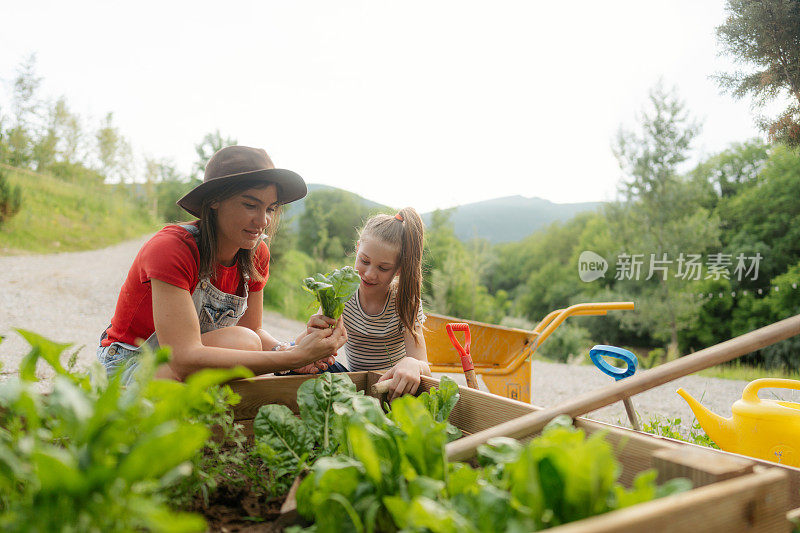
column 406, row 375
column 176, row 325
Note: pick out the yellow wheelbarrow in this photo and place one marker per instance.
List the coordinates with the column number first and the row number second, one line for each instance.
column 503, row 355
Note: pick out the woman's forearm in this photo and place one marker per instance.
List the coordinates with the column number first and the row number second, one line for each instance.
column 188, row 361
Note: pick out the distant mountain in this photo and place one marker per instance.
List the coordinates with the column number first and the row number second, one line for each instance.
column 511, row 218
column 499, row 220
column 295, row 209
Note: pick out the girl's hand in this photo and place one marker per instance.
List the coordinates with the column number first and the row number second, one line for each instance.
column 317, row 367
column 405, row 377
column 319, row 321
column 320, row 344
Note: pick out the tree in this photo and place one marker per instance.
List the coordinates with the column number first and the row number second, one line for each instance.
column 328, row 226
column 766, row 35
column 732, row 169
column 661, row 218
column 211, row 144
column 114, row 152
column 25, row 113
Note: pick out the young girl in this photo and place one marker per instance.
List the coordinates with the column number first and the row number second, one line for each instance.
column 384, row 318
column 198, row 287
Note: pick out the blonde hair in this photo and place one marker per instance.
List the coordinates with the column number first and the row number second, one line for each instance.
column 405, row 232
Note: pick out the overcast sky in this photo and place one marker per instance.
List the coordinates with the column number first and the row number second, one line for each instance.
column 422, row 103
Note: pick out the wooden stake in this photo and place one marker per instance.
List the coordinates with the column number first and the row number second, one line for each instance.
column 529, row 424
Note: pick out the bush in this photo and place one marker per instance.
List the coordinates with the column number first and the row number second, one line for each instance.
column 284, row 291
column 567, row 342
column 10, row 198
column 75, row 173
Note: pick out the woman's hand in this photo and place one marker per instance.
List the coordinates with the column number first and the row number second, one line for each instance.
column 405, row 377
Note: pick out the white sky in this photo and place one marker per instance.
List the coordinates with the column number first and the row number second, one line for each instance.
column 422, row 103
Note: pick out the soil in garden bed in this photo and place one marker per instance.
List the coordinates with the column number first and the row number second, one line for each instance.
column 238, row 505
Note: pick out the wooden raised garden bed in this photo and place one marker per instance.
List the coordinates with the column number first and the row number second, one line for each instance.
column 730, row 493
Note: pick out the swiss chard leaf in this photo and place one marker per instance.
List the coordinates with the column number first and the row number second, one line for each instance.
column 440, row 402
column 316, row 398
column 282, row 440
column 424, row 441
column 334, row 289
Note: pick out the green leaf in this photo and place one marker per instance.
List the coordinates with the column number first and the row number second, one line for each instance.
column 499, row 450
column 210, row 377
column 69, row 405
column 424, row 514
column 282, row 440
column 329, row 475
column 57, row 470
column 40, row 347
column 334, row 289
column 158, row 452
column 316, row 398
column 425, row 439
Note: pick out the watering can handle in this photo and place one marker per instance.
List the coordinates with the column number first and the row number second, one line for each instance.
column 750, row 393
column 597, row 353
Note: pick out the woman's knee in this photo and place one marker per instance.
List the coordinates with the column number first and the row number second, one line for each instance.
column 233, row 337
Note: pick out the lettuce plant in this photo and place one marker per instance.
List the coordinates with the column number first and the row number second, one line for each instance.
column 289, row 445
column 95, row 456
column 333, row 289
column 392, row 475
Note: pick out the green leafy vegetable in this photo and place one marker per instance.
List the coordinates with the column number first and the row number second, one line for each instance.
column 316, row 398
column 333, row 289
column 96, row 456
column 559, row 477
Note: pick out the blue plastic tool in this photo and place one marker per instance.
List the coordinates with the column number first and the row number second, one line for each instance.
column 602, row 350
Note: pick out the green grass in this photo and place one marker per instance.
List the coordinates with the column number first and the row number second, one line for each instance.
column 59, row 216
column 737, row 370
column 666, row 427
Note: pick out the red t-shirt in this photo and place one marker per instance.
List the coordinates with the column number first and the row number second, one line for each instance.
column 170, row 256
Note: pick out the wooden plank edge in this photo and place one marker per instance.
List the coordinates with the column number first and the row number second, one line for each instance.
column 754, row 502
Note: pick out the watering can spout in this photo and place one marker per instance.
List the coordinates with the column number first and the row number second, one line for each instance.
column 720, row 429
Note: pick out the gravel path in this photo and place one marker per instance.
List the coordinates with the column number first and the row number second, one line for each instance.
column 69, row 297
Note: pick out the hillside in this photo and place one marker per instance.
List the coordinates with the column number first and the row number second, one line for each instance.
column 57, row 215
column 498, row 220
column 510, row 218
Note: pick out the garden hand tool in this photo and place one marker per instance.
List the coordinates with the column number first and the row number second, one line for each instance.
column 466, row 358
column 597, row 353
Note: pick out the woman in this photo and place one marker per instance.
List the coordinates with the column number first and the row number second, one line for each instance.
column 198, row 287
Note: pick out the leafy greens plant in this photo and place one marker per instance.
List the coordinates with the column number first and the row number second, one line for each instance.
column 289, row 445
column 392, row 475
column 93, row 455
column 333, row 289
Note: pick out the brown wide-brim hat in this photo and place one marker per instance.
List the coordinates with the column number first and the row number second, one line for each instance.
column 234, row 163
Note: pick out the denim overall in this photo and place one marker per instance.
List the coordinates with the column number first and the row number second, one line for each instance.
column 215, row 310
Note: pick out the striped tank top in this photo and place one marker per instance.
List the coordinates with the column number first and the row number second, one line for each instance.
column 374, row 342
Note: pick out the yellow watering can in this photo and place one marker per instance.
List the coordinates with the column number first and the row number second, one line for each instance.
column 765, row 429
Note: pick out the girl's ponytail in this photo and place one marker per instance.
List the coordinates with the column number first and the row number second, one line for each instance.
column 409, row 287
column 405, row 231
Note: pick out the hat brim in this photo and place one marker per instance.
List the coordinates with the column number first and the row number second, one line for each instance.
column 291, row 187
